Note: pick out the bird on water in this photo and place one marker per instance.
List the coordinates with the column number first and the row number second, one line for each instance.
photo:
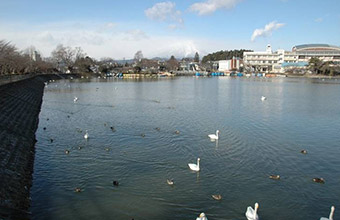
column 251, row 214
column 330, row 214
column 195, row 167
column 202, row 217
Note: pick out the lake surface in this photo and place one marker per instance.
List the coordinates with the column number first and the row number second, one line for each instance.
column 257, row 139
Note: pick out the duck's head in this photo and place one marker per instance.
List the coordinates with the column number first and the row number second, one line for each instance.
column 202, row 215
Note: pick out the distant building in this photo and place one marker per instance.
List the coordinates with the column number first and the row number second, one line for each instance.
column 324, row 52
column 233, row 64
column 186, row 65
column 278, row 61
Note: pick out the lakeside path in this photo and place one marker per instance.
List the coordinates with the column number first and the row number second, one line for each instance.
column 20, row 104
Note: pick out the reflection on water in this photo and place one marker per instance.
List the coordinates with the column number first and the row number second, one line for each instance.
column 257, row 139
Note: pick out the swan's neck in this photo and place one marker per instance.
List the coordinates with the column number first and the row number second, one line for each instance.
column 255, row 212
column 198, row 163
column 331, row 214
column 217, row 134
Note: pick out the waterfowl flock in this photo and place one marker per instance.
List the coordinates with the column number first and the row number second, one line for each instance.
column 251, row 213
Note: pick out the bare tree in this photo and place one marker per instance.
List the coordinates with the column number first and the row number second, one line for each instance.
column 63, row 57
column 138, row 56
column 172, row 64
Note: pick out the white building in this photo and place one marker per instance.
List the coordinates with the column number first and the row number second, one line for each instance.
column 233, row 64
column 276, row 62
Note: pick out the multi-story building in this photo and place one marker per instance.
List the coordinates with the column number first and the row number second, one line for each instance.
column 276, row 62
column 324, row 52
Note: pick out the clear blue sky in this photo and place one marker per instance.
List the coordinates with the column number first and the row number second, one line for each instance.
column 119, row 28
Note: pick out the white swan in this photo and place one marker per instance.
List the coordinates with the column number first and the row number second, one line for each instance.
column 330, row 214
column 251, row 214
column 214, row 136
column 195, row 167
column 202, row 217
column 263, row 98
column 75, row 99
column 86, row 136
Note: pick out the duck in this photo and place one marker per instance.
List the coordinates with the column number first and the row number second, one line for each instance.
column 142, row 135
column 251, row 214
column 157, row 129
column 67, row 151
column 44, row 128
column 51, row 140
column 214, row 136
column 330, row 214
column 115, row 183
column 75, row 99
column 176, row 132
column 274, row 177
column 112, row 129
column 263, row 98
column 77, row 189
column 195, row 167
column 202, row 217
column 170, row 182
column 86, row 135
column 303, row 151
column 319, row 180
column 217, row 197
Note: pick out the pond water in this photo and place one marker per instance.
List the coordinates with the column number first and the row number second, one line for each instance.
column 257, row 139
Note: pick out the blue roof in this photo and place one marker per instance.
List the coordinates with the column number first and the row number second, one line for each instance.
column 298, row 64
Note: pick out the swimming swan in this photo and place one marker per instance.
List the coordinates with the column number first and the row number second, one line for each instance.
column 330, row 214
column 202, row 217
column 86, row 136
column 214, row 136
column 251, row 214
column 195, row 167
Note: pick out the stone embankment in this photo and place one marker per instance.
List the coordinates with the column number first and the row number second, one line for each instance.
column 20, row 104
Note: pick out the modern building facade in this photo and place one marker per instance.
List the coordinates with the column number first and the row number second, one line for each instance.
column 278, row 61
column 324, row 52
column 233, row 64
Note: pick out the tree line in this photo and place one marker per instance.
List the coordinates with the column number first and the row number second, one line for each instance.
column 224, row 55
column 319, row 67
column 13, row 61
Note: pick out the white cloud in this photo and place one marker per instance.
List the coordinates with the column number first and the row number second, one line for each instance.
column 135, row 35
column 210, row 6
column 164, row 11
column 116, row 43
column 267, row 30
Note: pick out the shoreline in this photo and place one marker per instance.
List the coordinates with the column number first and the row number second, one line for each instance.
column 20, row 105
